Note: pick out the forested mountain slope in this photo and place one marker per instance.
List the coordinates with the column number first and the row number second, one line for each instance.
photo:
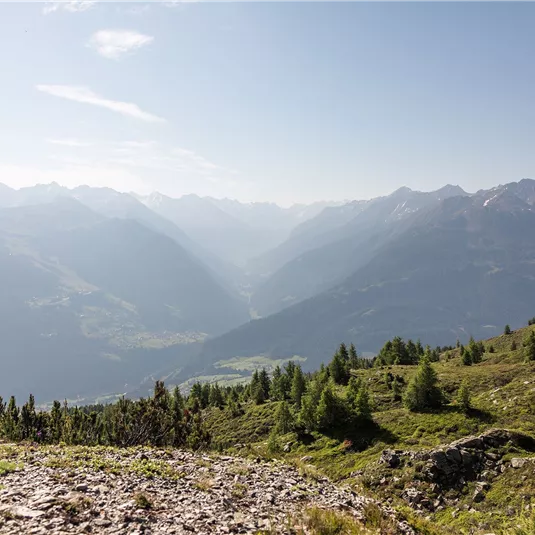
column 463, row 268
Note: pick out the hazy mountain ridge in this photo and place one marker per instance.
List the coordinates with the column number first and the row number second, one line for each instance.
column 354, row 233
column 462, row 267
column 97, row 281
column 81, row 288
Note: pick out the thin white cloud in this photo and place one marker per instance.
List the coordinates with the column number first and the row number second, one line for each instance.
column 150, row 156
column 68, row 142
column 113, row 44
column 72, row 6
column 86, row 96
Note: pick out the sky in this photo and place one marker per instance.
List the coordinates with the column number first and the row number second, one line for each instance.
column 282, row 102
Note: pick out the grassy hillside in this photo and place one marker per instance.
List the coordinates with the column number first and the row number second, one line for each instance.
column 502, row 387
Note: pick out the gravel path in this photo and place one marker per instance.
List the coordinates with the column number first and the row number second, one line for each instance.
column 61, row 490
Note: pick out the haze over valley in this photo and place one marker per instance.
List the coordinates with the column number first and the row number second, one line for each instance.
column 105, row 290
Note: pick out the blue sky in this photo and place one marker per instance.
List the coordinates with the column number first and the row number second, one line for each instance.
column 285, row 102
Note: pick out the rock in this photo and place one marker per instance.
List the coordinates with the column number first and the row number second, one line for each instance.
column 306, row 458
column 413, row 496
column 287, row 447
column 454, row 455
column 215, row 495
column 518, row 462
column 478, row 496
column 102, row 522
column 466, row 457
column 390, row 458
column 19, row 511
column 441, row 462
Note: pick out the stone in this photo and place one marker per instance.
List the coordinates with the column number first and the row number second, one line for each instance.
column 478, row 496
column 454, row 455
column 81, row 487
column 390, row 458
column 20, row 511
column 518, row 462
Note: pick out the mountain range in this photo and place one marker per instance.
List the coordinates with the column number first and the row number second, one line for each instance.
column 103, row 290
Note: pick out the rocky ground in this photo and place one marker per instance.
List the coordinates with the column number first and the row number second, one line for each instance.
column 60, row 490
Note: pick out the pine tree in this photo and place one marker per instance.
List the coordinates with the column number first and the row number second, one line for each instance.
column 463, row 397
column 277, row 385
column 195, row 392
column 529, row 349
column 257, row 393
column 363, row 404
column 507, row 329
column 309, row 405
column 342, row 351
column 265, row 382
column 466, row 357
column 397, row 390
column 399, row 351
column 338, row 369
column 327, row 411
column 419, row 349
column 353, row 357
column 412, row 352
column 422, row 392
column 205, row 395
column 216, row 396
column 353, row 390
column 284, row 421
column 298, row 386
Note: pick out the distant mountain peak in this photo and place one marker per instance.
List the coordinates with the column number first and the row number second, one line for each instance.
column 450, row 190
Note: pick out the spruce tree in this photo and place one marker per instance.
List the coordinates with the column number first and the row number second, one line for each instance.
column 277, row 386
column 466, row 357
column 265, row 382
column 353, row 357
column 397, row 389
column 298, row 386
column 216, row 396
column 342, row 351
column 284, row 421
column 309, row 405
column 353, row 389
column 422, row 392
column 338, row 369
column 463, row 397
column 363, row 405
column 327, row 411
column 507, row 329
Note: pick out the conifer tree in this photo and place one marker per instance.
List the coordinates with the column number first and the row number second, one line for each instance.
column 277, row 385
column 309, row 405
column 338, row 369
column 352, row 392
column 363, row 404
column 284, row 420
column 353, row 357
column 463, row 397
column 466, row 356
column 422, row 392
column 216, row 396
column 298, row 386
column 265, row 382
column 327, row 411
